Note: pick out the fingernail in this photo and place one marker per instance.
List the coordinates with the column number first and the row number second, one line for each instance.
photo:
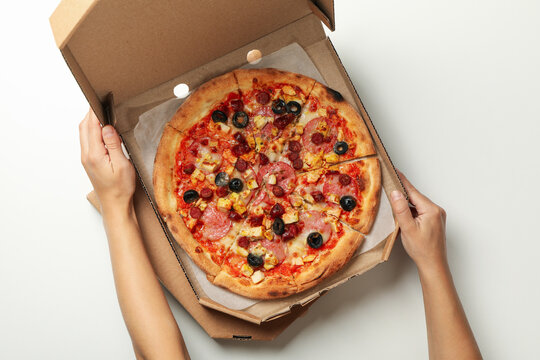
column 396, row 195
column 108, row 131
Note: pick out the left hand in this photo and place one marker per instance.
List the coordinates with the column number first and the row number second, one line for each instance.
column 110, row 172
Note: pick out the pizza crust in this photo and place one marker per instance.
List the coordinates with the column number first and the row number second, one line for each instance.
column 362, row 138
column 272, row 287
column 245, row 78
column 367, row 212
column 207, row 96
column 330, row 261
column 166, row 200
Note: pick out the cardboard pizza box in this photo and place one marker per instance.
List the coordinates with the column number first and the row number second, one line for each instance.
column 127, row 56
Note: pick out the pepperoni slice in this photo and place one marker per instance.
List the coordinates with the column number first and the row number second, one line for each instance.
column 240, row 138
column 234, row 216
column 344, row 179
column 222, row 191
column 237, row 105
column 243, row 242
column 293, row 156
column 285, row 176
column 216, row 224
column 278, row 191
column 206, row 193
column 195, row 212
column 276, row 211
column 188, row 169
column 262, row 97
column 317, row 138
column 263, row 159
column 241, row 165
column 321, row 142
column 295, row 146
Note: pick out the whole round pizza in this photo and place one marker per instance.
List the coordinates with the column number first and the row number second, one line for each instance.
column 268, row 180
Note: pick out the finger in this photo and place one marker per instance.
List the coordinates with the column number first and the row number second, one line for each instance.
column 83, row 136
column 400, row 206
column 420, row 201
column 114, row 145
column 96, row 147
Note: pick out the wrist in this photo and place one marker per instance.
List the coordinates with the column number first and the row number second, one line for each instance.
column 118, row 211
column 434, row 269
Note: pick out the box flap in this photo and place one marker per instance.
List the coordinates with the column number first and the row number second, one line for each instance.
column 126, row 47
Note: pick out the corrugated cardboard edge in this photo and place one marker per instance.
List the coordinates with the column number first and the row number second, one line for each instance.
column 218, row 325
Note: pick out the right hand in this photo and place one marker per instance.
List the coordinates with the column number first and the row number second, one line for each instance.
column 423, row 235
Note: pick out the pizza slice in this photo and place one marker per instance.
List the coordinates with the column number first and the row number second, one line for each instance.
column 329, row 131
column 273, row 99
column 201, row 195
column 322, row 246
column 348, row 191
column 255, row 265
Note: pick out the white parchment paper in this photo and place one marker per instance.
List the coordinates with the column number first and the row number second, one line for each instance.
column 148, row 134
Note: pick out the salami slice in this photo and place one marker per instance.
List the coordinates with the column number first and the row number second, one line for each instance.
column 327, row 141
column 284, row 173
column 333, row 186
column 216, row 224
column 277, row 248
column 315, row 221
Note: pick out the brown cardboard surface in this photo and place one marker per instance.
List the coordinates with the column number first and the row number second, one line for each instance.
column 158, row 71
column 217, row 324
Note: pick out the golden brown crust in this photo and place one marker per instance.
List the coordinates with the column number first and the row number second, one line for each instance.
column 329, row 262
column 206, row 97
column 164, row 194
column 362, row 138
column 245, row 78
column 272, row 287
column 370, row 196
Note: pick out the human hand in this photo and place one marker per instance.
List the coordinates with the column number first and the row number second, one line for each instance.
column 422, row 234
column 110, row 172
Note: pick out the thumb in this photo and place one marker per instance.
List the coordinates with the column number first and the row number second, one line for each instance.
column 403, row 214
column 113, row 143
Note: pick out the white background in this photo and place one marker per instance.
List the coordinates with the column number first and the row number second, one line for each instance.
column 453, row 88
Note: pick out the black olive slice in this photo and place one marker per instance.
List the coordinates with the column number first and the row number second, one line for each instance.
column 191, row 196
column 279, row 106
column 240, row 119
column 341, row 147
column 255, row 260
column 293, row 107
column 219, row 116
column 222, row 179
column 315, row 240
column 236, row 185
column 347, row 202
column 278, row 226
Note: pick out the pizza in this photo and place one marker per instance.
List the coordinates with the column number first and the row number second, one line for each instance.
column 268, row 180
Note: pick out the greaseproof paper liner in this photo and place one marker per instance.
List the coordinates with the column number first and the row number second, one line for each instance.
column 148, row 133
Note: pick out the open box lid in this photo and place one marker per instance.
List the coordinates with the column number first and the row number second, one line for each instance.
column 96, row 38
